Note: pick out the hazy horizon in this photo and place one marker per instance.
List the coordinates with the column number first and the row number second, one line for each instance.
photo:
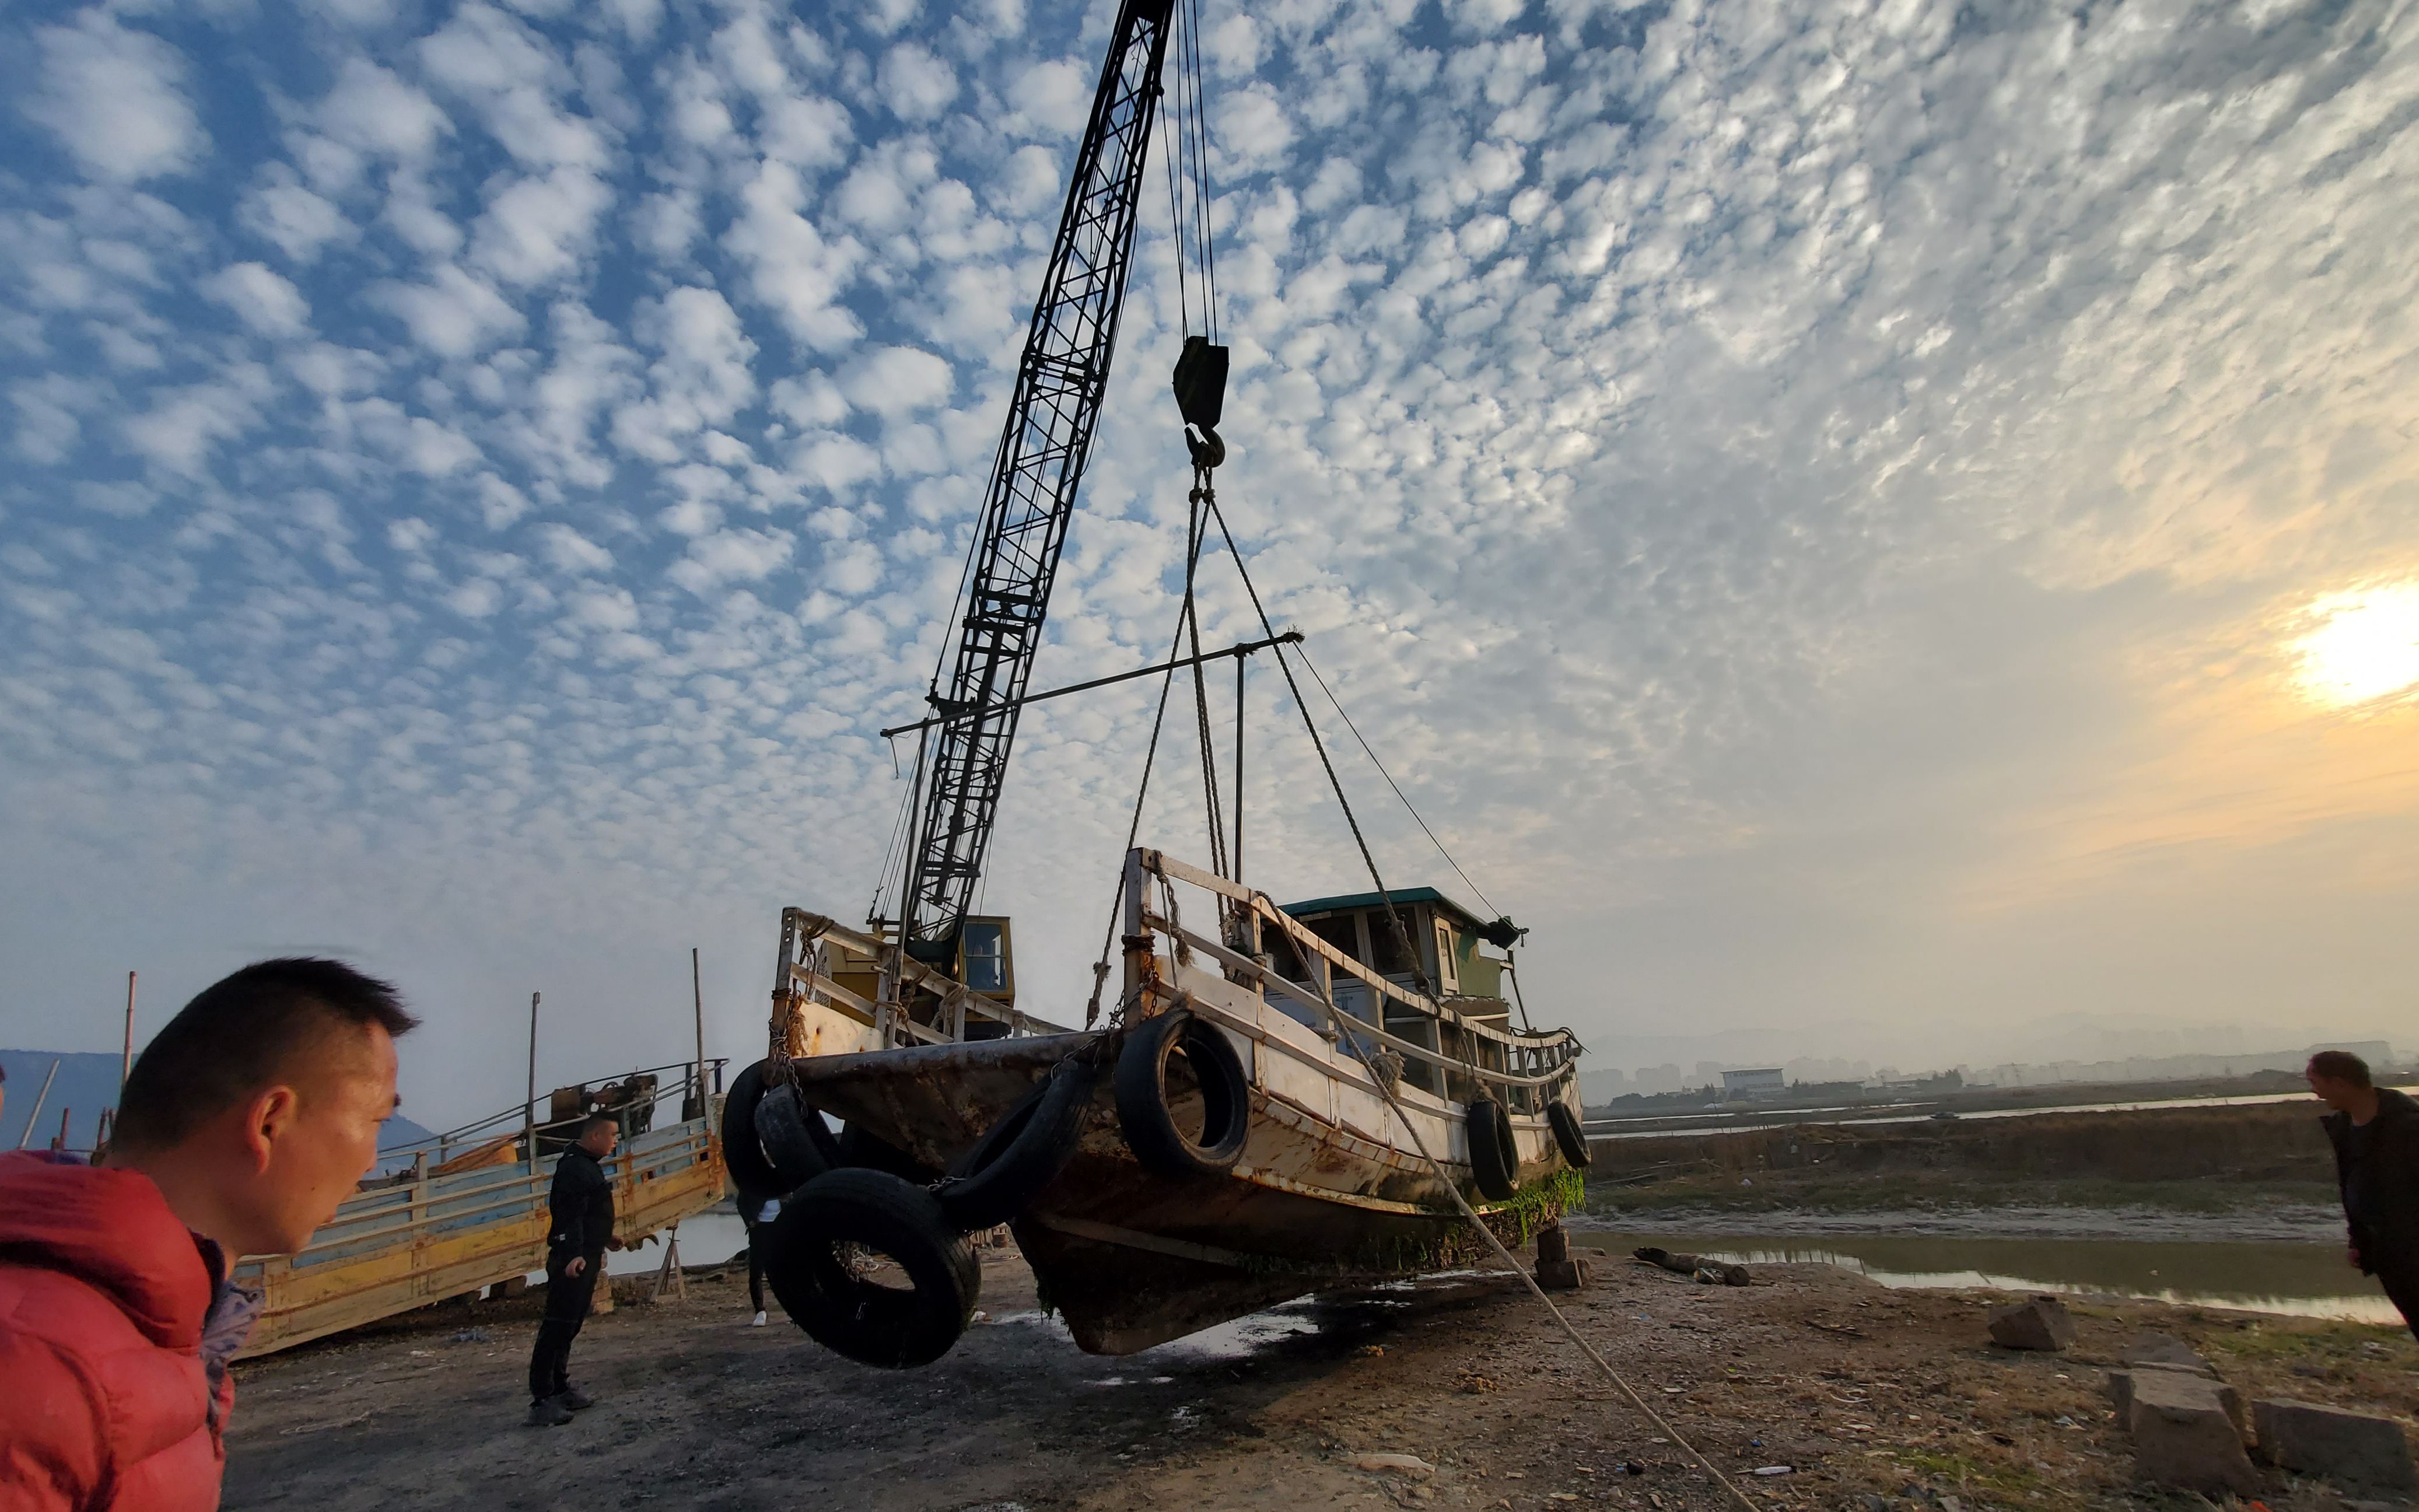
column 1875, row 532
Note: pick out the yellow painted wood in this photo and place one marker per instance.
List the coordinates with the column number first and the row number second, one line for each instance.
column 414, row 1263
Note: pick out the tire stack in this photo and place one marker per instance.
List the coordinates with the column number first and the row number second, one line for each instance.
column 847, row 1196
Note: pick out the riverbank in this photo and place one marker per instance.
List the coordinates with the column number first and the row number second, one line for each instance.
column 2265, row 1165
column 1859, row 1390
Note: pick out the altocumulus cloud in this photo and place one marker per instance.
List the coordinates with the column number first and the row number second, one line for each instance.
column 478, row 479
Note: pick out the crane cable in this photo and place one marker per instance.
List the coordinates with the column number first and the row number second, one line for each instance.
column 1195, row 531
column 1394, row 915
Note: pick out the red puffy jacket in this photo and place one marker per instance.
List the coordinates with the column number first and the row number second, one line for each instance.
column 108, row 1398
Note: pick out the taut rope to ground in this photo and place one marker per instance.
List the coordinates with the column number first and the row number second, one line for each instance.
column 1513, row 1261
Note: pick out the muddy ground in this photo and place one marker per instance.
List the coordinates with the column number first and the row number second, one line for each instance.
column 1861, row 1391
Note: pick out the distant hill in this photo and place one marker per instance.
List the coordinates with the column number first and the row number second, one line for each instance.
column 88, row 1083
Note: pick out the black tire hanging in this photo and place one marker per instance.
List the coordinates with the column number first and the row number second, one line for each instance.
column 811, row 1255
column 1568, row 1136
column 1143, row 1112
column 1494, row 1158
column 859, row 1146
column 1022, row 1154
column 769, row 1145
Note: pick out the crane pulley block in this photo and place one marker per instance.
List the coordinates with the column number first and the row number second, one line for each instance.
column 1201, row 382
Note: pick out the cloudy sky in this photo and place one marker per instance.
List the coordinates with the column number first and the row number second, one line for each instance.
column 1877, row 528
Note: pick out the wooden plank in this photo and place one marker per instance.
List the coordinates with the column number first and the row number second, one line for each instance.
column 428, row 1261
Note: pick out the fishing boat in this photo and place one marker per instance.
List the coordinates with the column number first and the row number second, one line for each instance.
column 1275, row 1098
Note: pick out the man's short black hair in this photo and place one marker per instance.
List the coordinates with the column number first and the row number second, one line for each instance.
column 2340, row 1066
column 237, row 1035
column 600, row 1119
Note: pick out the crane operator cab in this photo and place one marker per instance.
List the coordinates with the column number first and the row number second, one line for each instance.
column 981, row 957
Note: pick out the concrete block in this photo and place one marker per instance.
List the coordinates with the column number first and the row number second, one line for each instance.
column 1565, row 1274
column 2182, row 1436
column 2037, row 1323
column 2356, row 1448
column 2167, row 1351
column 2120, row 1394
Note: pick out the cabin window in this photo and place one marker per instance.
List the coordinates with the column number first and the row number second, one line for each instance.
column 1337, row 931
column 1386, row 947
column 985, row 951
column 1448, row 969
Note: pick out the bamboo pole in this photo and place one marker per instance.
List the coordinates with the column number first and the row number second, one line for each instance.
column 126, row 1066
column 697, row 998
column 35, row 1117
column 529, row 1104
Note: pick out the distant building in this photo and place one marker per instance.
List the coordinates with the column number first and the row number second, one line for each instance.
column 1748, row 1086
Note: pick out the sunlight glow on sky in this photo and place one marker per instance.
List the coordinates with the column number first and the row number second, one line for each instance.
column 2365, row 646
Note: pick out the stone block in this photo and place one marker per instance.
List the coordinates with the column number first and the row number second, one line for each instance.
column 1565, row 1274
column 2182, row 1436
column 2035, row 1323
column 2120, row 1394
column 2165, row 1350
column 2355, row 1448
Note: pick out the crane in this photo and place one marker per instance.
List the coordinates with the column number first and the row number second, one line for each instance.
column 1062, row 381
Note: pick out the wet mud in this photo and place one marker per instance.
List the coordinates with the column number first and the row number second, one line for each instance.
column 1856, row 1388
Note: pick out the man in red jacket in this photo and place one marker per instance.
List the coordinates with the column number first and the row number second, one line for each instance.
column 243, row 1124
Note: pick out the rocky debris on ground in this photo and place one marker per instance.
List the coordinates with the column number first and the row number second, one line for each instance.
column 2354, row 1448
column 2035, row 1324
column 1696, row 1267
column 1395, row 1464
column 2183, row 1436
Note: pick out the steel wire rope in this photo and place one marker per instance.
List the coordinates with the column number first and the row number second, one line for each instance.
column 1504, row 1252
column 1188, row 61
column 1393, row 914
column 1372, row 754
column 1176, row 210
column 1198, row 528
column 1194, row 535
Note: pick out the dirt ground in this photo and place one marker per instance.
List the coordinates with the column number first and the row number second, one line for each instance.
column 1863, row 1393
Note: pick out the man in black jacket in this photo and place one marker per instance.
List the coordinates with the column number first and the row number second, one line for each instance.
column 2376, row 1134
column 581, row 1206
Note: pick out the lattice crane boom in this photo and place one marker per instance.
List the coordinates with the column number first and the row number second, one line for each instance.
column 1060, row 384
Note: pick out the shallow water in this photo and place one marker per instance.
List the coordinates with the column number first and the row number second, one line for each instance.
column 1739, row 1120
column 2296, row 1280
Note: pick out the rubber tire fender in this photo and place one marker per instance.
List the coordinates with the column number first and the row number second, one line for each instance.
column 769, row 1146
column 860, row 1145
column 1022, row 1154
column 1568, row 1136
column 807, row 1261
column 1494, row 1158
column 1143, row 1114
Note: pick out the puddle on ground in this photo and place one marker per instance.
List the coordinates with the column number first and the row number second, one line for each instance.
column 2293, row 1280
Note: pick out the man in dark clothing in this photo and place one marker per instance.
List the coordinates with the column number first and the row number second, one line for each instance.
column 2376, row 1134
column 580, row 1205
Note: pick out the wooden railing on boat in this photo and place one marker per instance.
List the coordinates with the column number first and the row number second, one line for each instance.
column 427, row 1237
column 1526, row 1062
column 801, row 974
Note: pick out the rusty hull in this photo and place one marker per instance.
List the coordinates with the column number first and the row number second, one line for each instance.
column 1131, row 1259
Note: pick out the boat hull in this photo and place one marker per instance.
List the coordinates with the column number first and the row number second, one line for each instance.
column 1329, row 1190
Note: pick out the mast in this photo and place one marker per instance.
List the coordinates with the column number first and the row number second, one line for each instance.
column 1060, row 383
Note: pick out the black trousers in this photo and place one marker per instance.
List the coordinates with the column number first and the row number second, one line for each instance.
column 2401, row 1282
column 566, row 1309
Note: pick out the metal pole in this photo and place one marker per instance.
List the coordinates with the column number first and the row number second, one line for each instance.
column 697, row 996
column 1238, row 769
column 528, row 1108
column 126, row 1067
column 35, row 1117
